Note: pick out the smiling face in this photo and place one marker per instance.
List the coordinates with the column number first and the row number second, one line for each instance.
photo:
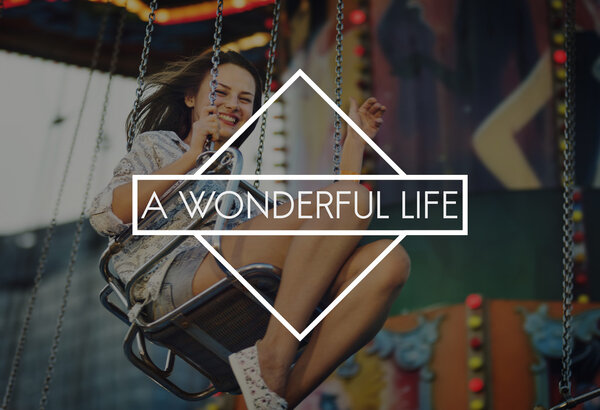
column 234, row 98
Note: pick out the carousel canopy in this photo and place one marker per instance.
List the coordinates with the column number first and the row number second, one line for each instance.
column 66, row 30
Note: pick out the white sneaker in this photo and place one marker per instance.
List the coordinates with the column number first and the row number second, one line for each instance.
column 247, row 373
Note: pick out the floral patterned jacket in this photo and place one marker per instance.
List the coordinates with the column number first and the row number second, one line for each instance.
column 150, row 151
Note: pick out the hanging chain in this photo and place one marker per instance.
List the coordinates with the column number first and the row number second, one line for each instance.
column 267, row 87
column 568, row 182
column 79, row 226
column 214, row 71
column 41, row 268
column 142, row 73
column 337, row 147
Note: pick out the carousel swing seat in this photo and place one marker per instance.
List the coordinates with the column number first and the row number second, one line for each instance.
column 206, row 329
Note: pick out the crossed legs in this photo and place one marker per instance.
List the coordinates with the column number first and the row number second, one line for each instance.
column 315, row 268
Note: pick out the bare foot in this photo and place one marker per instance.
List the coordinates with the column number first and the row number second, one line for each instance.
column 273, row 373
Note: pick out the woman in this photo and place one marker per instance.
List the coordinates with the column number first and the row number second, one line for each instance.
column 180, row 109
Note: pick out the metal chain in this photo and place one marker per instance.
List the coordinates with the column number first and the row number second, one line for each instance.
column 79, row 226
column 337, row 147
column 41, row 268
column 267, row 88
column 568, row 181
column 214, row 71
column 142, row 73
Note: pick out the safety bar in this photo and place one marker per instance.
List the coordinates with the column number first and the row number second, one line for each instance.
column 111, row 307
column 237, row 162
column 160, row 376
column 574, row 401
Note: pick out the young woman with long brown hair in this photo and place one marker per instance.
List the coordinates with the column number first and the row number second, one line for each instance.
column 176, row 118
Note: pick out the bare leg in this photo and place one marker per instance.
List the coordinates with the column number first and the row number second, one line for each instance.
column 310, row 266
column 354, row 322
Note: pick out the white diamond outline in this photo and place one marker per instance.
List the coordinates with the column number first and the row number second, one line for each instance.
column 325, row 312
column 200, row 236
column 325, row 97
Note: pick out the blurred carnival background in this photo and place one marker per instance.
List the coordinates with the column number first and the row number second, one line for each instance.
column 472, row 87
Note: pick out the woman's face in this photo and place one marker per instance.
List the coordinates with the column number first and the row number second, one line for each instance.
column 234, row 98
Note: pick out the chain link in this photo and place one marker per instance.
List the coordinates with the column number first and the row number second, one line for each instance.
column 41, row 268
column 267, row 87
column 337, row 147
column 568, row 182
column 79, row 226
column 142, row 72
column 214, row 71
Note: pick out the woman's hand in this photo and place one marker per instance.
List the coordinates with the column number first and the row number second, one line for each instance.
column 207, row 126
column 369, row 117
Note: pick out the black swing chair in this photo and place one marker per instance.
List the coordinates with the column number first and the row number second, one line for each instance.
column 225, row 318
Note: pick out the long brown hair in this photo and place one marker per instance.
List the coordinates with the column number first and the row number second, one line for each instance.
column 162, row 105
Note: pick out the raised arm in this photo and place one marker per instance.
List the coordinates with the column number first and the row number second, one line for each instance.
column 369, row 118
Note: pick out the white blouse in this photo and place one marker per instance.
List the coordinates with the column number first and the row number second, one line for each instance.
column 150, row 151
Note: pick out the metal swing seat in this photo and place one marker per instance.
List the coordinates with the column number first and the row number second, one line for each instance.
column 205, row 330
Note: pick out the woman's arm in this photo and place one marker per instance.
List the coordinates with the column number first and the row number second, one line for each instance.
column 352, row 153
column 369, row 118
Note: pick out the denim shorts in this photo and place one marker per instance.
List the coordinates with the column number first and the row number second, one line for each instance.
column 176, row 288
